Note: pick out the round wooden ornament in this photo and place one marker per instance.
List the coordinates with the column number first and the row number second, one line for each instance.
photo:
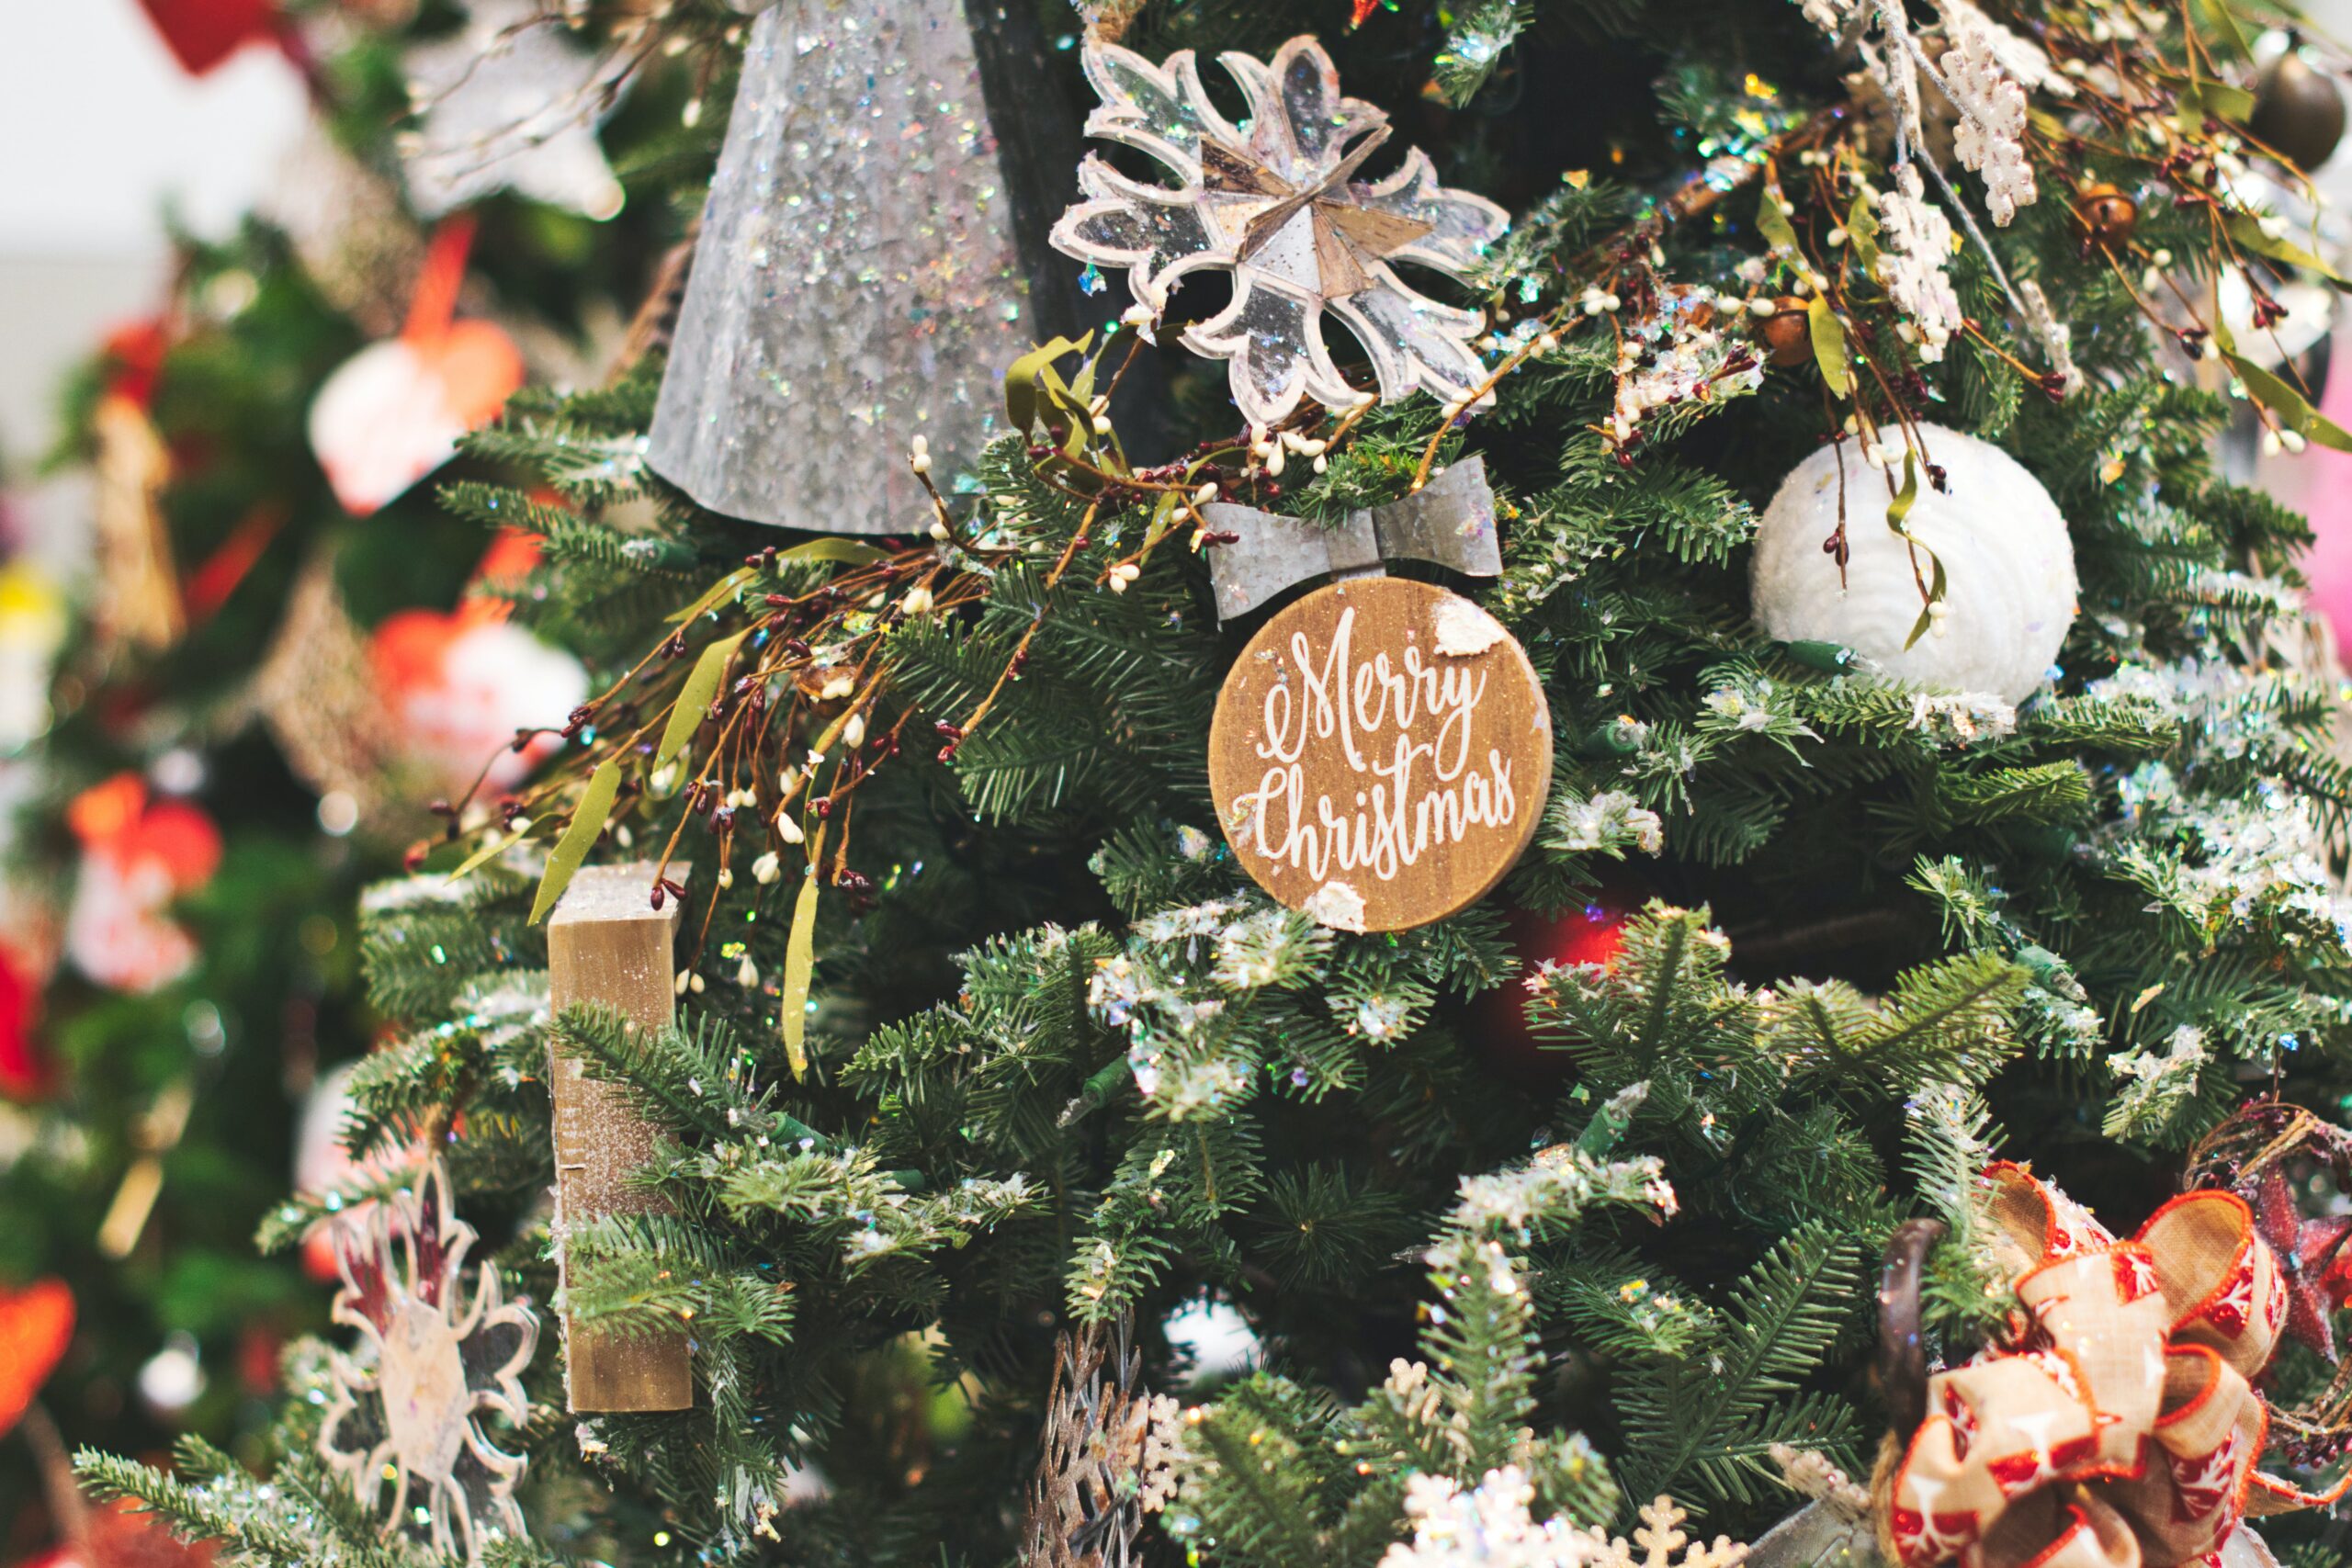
column 1380, row 754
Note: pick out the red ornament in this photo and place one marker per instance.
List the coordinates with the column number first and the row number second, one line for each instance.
column 36, row 1325
column 139, row 854
column 134, row 359
column 2311, row 1258
column 258, row 1348
column 394, row 411
column 25, row 1068
column 513, row 555
column 202, row 33
column 122, row 1535
column 1588, row 932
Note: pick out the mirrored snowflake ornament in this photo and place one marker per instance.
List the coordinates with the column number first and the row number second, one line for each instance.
column 1274, row 201
column 436, row 1354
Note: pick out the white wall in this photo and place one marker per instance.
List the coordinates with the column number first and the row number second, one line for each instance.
column 98, row 128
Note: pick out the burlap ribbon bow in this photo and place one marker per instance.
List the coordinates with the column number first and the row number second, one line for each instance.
column 2119, row 1428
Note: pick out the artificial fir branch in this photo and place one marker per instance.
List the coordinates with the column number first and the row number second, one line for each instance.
column 1709, row 1417
column 1064, row 1064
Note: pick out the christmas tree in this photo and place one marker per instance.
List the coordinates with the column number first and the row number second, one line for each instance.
column 279, row 664
column 1614, row 773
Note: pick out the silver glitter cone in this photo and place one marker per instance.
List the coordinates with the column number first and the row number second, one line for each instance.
column 858, row 281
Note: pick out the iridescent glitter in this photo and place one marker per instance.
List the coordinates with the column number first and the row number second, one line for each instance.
column 855, row 284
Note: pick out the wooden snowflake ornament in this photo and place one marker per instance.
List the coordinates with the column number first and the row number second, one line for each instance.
column 1490, row 1525
column 1661, row 1535
column 1276, row 202
column 403, row 1419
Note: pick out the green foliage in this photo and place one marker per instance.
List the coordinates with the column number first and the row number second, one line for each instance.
column 212, row 1498
column 1065, row 1065
column 1481, row 32
column 1275, row 1473
column 1706, row 1420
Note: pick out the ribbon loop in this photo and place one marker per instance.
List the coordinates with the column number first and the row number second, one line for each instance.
column 1449, row 522
column 2119, row 1427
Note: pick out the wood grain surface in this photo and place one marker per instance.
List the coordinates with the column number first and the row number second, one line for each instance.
column 1380, row 753
column 608, row 944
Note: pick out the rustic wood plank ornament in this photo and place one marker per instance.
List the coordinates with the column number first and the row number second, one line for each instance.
column 608, row 944
column 1380, row 754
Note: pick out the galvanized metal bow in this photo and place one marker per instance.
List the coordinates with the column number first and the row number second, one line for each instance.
column 1449, row 520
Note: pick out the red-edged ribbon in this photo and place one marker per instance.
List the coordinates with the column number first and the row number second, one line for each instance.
column 2119, row 1426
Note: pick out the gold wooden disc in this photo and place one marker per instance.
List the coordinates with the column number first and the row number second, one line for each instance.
column 1380, row 754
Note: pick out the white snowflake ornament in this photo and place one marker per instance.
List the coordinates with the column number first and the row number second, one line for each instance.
column 1490, row 1525
column 511, row 103
column 1274, row 201
column 404, row 1418
column 1661, row 1535
column 1990, row 137
column 1915, row 243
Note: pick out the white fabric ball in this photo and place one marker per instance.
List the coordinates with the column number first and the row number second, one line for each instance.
column 2009, row 567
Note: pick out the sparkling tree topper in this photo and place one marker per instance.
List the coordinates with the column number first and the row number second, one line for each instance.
column 403, row 1414
column 1276, row 202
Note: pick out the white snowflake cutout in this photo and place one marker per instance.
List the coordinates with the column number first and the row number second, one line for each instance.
column 1490, row 1525
column 403, row 1415
column 511, row 102
column 1273, row 201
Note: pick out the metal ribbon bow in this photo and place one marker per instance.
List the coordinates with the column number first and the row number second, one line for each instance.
column 2121, row 1426
column 1449, row 522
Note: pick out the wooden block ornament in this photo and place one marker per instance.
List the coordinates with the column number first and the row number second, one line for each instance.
column 608, row 944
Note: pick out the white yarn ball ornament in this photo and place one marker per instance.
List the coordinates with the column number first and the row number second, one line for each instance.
column 2009, row 569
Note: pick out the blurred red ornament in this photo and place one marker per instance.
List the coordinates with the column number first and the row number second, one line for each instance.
column 25, row 1067
column 36, row 1325
column 202, row 33
column 461, row 683
column 134, row 355
column 512, row 555
column 258, row 1348
column 395, row 411
column 119, row 817
column 139, row 855
column 1588, row 932
column 122, row 1536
